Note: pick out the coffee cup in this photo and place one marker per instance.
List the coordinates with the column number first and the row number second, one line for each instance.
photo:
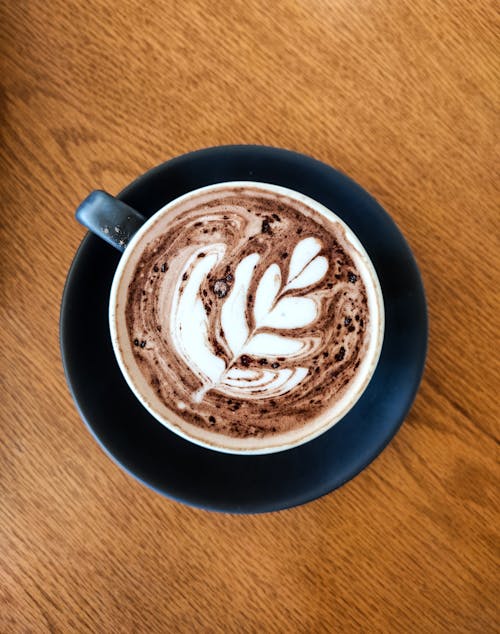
column 244, row 316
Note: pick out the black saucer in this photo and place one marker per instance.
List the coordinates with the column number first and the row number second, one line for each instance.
column 209, row 479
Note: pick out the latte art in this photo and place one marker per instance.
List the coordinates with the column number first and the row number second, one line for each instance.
column 275, row 308
column 246, row 313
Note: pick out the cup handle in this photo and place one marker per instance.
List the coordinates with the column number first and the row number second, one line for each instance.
column 109, row 218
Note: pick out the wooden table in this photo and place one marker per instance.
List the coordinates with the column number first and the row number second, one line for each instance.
column 400, row 95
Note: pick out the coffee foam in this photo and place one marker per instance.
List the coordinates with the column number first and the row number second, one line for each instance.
column 251, row 316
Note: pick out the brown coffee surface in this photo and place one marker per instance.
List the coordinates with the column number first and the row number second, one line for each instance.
column 327, row 318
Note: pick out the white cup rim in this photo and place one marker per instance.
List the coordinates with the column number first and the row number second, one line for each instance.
column 214, row 440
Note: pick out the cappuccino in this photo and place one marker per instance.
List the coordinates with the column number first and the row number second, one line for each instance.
column 247, row 316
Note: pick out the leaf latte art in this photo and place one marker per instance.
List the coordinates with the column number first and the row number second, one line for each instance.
column 275, row 309
column 246, row 312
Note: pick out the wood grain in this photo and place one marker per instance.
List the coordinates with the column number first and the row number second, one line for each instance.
column 402, row 96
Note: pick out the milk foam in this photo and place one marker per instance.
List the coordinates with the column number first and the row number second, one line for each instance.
column 247, row 314
column 272, row 310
